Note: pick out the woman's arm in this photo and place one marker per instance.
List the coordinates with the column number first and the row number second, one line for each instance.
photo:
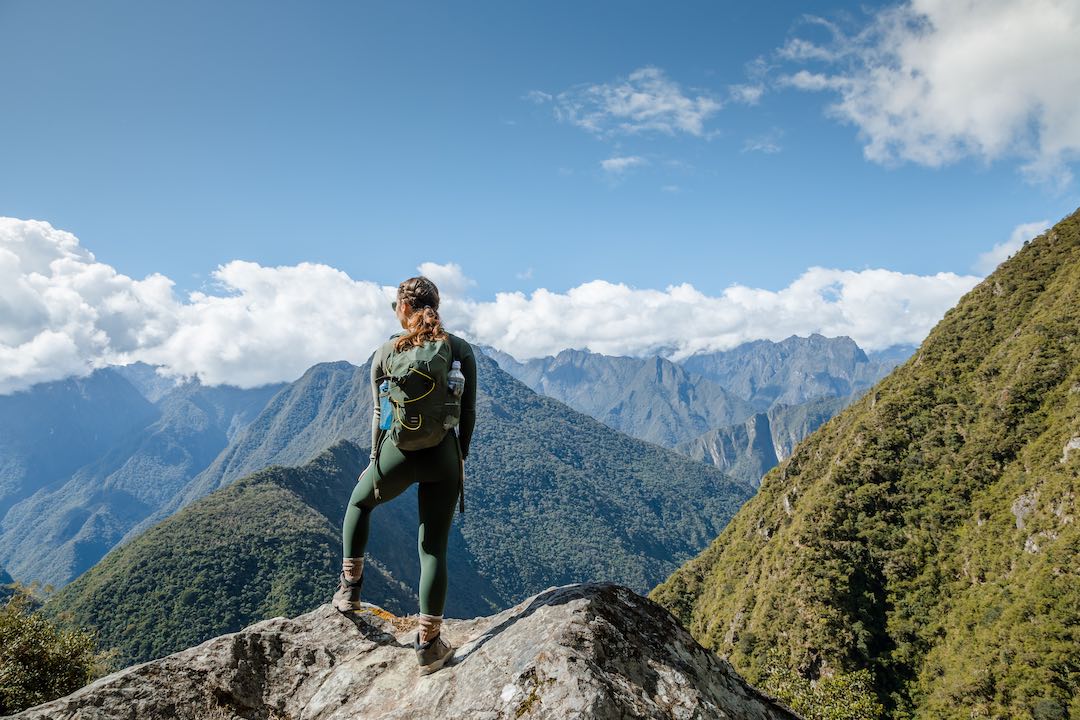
column 376, row 373
column 468, row 398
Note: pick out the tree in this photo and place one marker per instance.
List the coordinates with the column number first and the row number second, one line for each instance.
column 40, row 660
column 845, row 696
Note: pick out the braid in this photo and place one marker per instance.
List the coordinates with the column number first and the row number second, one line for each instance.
column 423, row 324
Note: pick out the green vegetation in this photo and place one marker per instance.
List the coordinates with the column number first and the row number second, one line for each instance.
column 928, row 533
column 257, row 549
column 39, row 660
column 145, row 455
column 7, row 585
column 552, row 497
column 848, row 696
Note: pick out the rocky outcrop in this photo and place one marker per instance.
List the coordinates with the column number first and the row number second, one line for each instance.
column 578, row 651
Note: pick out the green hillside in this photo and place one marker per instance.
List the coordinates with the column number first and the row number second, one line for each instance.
column 552, row 497
column 555, row 497
column 927, row 532
column 259, row 548
column 64, row 528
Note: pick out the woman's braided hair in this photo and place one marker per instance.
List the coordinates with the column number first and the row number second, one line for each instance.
column 423, row 324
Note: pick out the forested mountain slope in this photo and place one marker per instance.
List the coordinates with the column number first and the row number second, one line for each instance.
column 110, row 454
column 266, row 545
column 52, row 429
column 552, row 497
column 750, row 449
column 929, row 531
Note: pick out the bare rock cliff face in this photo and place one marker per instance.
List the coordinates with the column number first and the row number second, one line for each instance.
column 578, row 651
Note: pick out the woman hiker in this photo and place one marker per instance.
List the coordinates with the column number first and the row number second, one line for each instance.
column 410, row 371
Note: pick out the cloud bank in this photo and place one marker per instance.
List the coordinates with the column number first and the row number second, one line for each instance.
column 63, row 313
column 935, row 81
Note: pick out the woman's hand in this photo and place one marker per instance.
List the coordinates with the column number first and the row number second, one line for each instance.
column 462, row 469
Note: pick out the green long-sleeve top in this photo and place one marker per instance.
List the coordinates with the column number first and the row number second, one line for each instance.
column 462, row 351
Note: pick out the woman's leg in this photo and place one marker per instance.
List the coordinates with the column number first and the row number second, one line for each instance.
column 396, row 478
column 437, row 499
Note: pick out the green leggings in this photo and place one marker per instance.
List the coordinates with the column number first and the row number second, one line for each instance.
column 437, row 470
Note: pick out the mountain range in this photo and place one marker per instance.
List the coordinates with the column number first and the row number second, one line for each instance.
column 927, row 532
column 539, row 474
column 88, row 463
column 750, row 449
column 86, row 460
column 742, row 410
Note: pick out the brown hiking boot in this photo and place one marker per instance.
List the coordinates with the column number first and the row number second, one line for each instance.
column 347, row 598
column 433, row 654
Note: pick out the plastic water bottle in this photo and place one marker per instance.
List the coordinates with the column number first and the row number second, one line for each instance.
column 386, row 416
column 456, row 380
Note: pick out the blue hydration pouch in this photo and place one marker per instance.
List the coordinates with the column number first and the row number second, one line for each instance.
column 386, row 416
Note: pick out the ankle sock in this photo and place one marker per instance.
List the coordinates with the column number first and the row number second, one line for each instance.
column 353, row 568
column 429, row 627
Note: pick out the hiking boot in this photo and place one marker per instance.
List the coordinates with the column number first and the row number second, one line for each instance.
column 347, row 598
column 433, row 654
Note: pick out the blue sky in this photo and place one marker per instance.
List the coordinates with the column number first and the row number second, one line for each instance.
column 175, row 138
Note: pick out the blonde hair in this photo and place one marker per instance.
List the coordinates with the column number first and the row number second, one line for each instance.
column 423, row 324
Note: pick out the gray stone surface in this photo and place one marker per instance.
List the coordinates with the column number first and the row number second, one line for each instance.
column 578, row 651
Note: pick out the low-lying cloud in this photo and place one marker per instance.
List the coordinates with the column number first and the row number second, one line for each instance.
column 63, row 313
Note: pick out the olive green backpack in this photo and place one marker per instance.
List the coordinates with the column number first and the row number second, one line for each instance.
column 421, row 404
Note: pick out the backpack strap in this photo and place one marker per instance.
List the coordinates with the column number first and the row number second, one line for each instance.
column 461, row 474
column 378, row 470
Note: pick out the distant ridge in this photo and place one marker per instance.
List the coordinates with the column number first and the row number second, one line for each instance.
column 649, row 398
column 748, row 450
column 141, row 444
column 742, row 410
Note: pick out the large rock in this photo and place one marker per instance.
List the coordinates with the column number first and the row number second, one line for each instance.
column 578, row 651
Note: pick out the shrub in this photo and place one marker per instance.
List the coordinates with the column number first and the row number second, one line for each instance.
column 39, row 659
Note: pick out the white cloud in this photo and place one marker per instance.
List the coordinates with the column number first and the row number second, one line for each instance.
column 814, row 82
column 645, row 101
column 878, row 308
column 1001, row 252
column 538, row 97
column 935, row 81
column 62, row 313
column 449, row 278
column 800, row 50
column 619, row 165
column 768, row 143
column 746, row 94
column 272, row 323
